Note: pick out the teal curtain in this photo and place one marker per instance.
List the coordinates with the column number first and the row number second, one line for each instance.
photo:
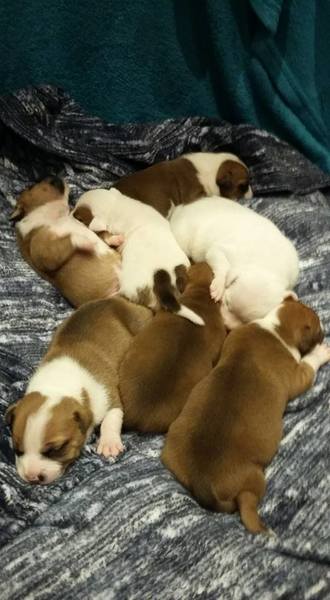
column 259, row 61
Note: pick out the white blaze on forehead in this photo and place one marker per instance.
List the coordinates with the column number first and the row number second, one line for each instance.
column 33, row 439
column 65, row 377
column 207, row 165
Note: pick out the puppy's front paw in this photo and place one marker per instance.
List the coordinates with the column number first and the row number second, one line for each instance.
column 82, row 243
column 110, row 448
column 322, row 353
column 217, row 288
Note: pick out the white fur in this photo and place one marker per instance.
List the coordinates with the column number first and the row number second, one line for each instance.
column 270, row 322
column 207, row 165
column 56, row 379
column 149, row 243
column 110, row 443
column 254, row 264
column 319, row 356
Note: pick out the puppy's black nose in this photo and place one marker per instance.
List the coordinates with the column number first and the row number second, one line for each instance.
column 57, row 183
column 41, row 478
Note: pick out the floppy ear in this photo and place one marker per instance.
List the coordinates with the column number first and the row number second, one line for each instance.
column 10, row 414
column 97, row 225
column 83, row 417
column 17, row 213
column 290, row 295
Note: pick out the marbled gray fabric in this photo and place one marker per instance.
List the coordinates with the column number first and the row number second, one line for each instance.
column 128, row 530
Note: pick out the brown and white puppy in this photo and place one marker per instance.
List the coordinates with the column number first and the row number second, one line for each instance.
column 185, row 179
column 169, row 356
column 74, row 389
column 231, row 425
column 62, row 250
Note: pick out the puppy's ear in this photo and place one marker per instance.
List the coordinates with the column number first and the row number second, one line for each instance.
column 97, row 224
column 10, row 414
column 83, row 417
column 18, row 213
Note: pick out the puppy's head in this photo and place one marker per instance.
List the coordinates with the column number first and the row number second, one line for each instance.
column 233, row 180
column 47, row 437
column 200, row 274
column 49, row 190
column 84, row 214
column 299, row 325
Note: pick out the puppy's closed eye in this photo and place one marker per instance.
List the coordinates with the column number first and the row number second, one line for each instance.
column 55, row 451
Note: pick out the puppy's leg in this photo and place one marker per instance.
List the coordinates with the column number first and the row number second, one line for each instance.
column 110, row 443
column 49, row 252
column 307, row 368
column 220, row 266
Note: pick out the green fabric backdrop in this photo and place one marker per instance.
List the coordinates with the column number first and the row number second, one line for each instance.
column 259, row 61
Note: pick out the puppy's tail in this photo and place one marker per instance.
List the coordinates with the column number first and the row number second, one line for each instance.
column 166, row 295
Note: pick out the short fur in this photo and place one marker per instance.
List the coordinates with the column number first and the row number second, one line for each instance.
column 169, row 356
column 185, row 179
column 61, row 250
column 151, row 256
column 231, row 425
column 74, row 389
column 254, row 264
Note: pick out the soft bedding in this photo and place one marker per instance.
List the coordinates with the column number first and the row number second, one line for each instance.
column 127, row 529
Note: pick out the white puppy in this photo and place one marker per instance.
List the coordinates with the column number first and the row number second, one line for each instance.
column 153, row 264
column 255, row 266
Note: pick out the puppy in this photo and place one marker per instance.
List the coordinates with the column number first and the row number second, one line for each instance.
column 169, row 356
column 231, row 425
column 74, row 389
column 62, row 250
column 185, row 179
column 254, row 264
column 153, row 264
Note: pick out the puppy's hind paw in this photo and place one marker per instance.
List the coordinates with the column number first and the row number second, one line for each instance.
column 110, row 448
column 217, row 289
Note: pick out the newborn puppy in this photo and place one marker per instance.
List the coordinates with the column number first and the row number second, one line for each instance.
column 153, row 264
column 62, row 250
column 187, row 178
column 254, row 264
column 169, row 356
column 74, row 389
column 231, row 425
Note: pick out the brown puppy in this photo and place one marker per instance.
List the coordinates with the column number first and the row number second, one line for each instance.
column 231, row 425
column 74, row 389
column 62, row 250
column 169, row 356
column 185, row 179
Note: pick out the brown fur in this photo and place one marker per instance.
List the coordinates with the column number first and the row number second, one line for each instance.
column 231, row 425
column 97, row 335
column 79, row 275
column 173, row 181
column 169, row 356
column 233, row 179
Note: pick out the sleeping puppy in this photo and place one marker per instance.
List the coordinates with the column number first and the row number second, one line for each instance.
column 74, row 389
column 185, row 179
column 255, row 266
column 231, row 425
column 169, row 356
column 154, row 268
column 62, row 250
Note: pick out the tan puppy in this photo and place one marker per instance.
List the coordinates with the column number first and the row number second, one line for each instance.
column 185, row 179
column 231, row 425
column 169, row 356
column 74, row 389
column 62, row 250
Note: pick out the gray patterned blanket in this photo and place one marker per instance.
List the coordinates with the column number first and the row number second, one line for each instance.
column 127, row 529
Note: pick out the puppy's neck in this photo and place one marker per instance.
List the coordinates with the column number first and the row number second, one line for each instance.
column 272, row 323
column 47, row 214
